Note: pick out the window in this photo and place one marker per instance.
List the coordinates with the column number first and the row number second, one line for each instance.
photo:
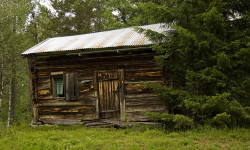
column 65, row 85
column 59, row 86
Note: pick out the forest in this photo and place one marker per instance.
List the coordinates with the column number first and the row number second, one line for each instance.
column 206, row 56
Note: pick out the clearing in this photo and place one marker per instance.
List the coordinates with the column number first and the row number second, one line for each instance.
column 143, row 137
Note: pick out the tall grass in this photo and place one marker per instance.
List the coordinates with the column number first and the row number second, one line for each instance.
column 80, row 137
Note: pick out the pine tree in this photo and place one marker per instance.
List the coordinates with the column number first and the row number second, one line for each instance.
column 206, row 59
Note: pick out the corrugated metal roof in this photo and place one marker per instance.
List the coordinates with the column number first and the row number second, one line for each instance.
column 98, row 40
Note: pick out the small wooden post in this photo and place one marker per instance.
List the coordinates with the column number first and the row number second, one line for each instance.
column 121, row 94
column 33, row 92
column 35, row 113
column 96, row 87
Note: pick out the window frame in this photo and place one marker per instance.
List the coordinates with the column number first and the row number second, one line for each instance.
column 66, row 94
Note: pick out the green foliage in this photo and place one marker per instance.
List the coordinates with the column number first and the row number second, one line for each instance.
column 79, row 137
column 221, row 120
column 202, row 109
column 126, row 13
column 171, row 121
column 13, row 41
column 206, row 59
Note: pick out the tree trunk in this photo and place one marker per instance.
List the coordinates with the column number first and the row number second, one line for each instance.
column 12, row 96
column 1, row 86
column 12, row 101
column 9, row 110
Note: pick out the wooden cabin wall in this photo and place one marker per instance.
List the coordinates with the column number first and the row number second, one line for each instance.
column 138, row 68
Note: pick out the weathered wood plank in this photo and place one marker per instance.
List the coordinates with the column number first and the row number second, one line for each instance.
column 87, row 65
column 75, row 116
column 99, row 67
column 145, row 108
column 143, row 103
column 43, row 80
column 137, row 95
column 43, row 73
column 86, row 94
column 122, row 94
column 43, row 92
column 64, row 103
column 43, row 85
column 85, row 59
column 142, row 79
column 44, row 97
column 136, row 88
column 66, row 109
column 62, row 121
column 138, row 116
column 143, row 73
column 160, row 82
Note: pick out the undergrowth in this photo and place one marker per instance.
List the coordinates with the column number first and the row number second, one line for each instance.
column 139, row 137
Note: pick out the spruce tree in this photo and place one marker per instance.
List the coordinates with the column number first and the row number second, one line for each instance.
column 205, row 59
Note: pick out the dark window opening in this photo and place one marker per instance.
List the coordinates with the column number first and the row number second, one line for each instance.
column 65, row 86
column 59, row 86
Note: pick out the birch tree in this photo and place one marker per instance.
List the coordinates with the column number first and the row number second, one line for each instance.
column 13, row 18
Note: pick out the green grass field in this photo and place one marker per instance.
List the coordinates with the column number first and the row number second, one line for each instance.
column 79, row 137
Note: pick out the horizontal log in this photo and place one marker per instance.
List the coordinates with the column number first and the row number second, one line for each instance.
column 66, row 113
column 142, row 79
column 143, row 102
column 132, row 96
column 66, row 109
column 43, row 80
column 136, row 88
column 44, row 85
column 98, row 67
column 85, row 81
column 43, row 92
column 83, row 88
column 138, row 116
column 75, row 116
column 64, row 103
column 62, row 121
column 43, row 73
column 56, row 73
column 87, row 94
column 42, row 77
column 88, row 65
column 45, row 97
column 145, row 108
column 143, row 73
column 61, row 102
column 143, row 82
column 92, row 58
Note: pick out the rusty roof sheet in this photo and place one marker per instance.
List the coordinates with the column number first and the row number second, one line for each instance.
column 98, row 40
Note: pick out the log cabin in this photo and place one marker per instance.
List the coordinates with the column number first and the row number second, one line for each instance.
column 89, row 77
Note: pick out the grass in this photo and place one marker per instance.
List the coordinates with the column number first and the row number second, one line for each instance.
column 138, row 138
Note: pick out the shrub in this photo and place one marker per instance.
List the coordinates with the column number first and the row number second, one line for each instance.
column 171, row 121
column 221, row 120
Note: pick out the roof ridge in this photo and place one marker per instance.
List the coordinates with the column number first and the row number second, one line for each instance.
column 97, row 40
column 104, row 31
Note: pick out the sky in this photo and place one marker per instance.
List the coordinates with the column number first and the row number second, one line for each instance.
column 47, row 3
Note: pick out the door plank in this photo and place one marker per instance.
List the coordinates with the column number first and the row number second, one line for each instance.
column 108, row 96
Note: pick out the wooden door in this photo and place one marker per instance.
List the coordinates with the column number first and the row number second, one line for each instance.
column 108, row 92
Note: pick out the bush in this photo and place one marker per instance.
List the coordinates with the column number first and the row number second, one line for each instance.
column 221, row 120
column 217, row 110
column 171, row 121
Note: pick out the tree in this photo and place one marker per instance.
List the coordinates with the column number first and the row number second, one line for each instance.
column 206, row 58
column 126, row 13
column 13, row 19
column 73, row 17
